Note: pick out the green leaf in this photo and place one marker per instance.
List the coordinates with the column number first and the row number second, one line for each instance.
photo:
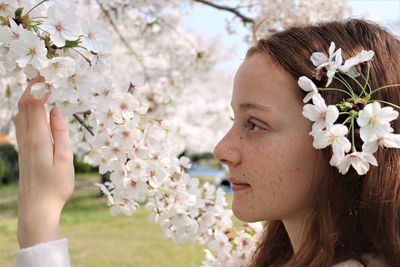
column 18, row 12
column 71, row 44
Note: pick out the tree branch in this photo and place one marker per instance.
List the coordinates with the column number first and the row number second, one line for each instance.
column 235, row 11
column 124, row 41
column 81, row 122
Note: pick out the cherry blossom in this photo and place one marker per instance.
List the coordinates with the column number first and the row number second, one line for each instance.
column 349, row 64
column 334, row 136
column 61, row 22
column 360, row 161
column 307, row 85
column 29, row 49
column 331, row 62
column 322, row 115
column 8, row 7
column 389, row 140
column 374, row 119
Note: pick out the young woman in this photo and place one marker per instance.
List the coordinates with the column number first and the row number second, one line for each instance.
column 316, row 216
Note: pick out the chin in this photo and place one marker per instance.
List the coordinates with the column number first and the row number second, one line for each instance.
column 245, row 215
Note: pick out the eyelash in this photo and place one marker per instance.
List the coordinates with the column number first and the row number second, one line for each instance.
column 249, row 125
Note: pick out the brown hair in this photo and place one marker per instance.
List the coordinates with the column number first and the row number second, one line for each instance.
column 354, row 215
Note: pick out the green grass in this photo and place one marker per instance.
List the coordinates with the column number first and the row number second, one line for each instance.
column 96, row 239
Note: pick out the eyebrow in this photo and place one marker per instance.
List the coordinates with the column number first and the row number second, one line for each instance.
column 245, row 106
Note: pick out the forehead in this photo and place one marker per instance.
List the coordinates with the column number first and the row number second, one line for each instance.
column 260, row 80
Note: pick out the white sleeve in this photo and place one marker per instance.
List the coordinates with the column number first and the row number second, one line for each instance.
column 53, row 253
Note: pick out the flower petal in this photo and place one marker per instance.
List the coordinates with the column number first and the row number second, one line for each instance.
column 318, row 58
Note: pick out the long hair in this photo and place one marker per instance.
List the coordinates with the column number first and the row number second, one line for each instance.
column 354, row 215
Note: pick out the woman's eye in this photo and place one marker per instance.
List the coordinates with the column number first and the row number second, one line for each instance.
column 251, row 126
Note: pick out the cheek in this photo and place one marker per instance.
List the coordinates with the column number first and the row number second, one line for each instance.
column 281, row 174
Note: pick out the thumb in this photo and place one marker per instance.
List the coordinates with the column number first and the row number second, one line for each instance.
column 59, row 131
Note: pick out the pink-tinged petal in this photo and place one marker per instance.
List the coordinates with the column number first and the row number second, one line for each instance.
column 318, row 58
column 359, row 160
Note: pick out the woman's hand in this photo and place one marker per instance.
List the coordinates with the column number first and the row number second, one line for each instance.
column 46, row 178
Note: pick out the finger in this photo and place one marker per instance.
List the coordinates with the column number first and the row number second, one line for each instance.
column 38, row 129
column 59, row 131
column 23, row 102
column 18, row 126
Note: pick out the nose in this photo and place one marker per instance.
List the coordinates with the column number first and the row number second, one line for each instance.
column 227, row 150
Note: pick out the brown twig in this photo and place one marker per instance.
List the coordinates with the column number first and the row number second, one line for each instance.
column 81, row 122
column 233, row 10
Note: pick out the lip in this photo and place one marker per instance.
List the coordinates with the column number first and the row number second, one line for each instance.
column 238, row 186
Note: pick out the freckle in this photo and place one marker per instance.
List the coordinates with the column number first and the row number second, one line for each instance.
column 243, row 175
column 241, row 138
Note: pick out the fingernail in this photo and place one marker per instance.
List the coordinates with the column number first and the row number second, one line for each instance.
column 56, row 112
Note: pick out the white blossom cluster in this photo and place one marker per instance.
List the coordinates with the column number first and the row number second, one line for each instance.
column 144, row 170
column 363, row 113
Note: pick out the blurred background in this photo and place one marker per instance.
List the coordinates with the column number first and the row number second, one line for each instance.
column 181, row 56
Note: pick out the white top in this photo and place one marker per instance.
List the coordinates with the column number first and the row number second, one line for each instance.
column 55, row 254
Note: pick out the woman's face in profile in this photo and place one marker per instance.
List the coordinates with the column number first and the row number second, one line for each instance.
column 268, row 150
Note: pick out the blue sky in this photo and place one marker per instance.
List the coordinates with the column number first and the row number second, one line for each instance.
column 211, row 23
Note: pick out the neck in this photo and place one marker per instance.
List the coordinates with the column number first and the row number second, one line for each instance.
column 296, row 227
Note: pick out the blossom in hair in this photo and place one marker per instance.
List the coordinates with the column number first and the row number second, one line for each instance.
column 388, row 140
column 322, row 115
column 349, row 65
column 361, row 116
column 375, row 120
column 330, row 63
column 335, row 137
column 307, row 85
column 360, row 161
